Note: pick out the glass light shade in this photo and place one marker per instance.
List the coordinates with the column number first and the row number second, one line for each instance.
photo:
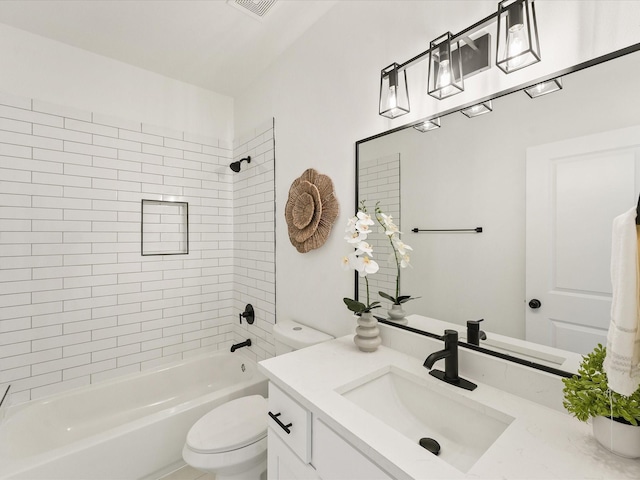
column 428, row 125
column 394, row 93
column 479, row 109
column 445, row 68
column 517, row 38
column 543, row 88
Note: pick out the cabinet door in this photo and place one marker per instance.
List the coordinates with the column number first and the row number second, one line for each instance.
column 283, row 464
column 336, row 459
column 292, row 423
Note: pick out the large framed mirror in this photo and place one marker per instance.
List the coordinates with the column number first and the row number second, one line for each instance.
column 543, row 178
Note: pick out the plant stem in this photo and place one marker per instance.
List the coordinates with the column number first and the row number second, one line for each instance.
column 395, row 254
column 366, row 281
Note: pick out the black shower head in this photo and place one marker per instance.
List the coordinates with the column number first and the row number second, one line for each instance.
column 235, row 166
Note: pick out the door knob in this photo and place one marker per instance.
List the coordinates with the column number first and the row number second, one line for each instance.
column 535, row 303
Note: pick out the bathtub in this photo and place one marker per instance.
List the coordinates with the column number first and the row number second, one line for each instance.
column 131, row 427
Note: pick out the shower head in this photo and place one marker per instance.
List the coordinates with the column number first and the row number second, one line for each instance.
column 235, row 166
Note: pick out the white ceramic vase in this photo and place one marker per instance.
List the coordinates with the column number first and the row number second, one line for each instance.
column 619, row 438
column 396, row 314
column 367, row 336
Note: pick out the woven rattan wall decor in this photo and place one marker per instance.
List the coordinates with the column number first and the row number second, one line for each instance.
column 311, row 209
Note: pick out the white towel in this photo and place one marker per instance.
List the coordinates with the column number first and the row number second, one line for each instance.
column 622, row 362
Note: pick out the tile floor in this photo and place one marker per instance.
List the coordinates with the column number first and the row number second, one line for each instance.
column 188, row 473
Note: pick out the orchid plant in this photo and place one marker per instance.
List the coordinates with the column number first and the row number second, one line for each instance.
column 361, row 260
column 400, row 253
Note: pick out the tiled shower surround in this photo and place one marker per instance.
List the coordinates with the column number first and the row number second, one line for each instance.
column 78, row 302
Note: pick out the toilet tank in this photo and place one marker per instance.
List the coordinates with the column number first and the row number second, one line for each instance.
column 290, row 336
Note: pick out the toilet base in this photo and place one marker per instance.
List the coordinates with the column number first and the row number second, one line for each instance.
column 246, row 463
column 257, row 472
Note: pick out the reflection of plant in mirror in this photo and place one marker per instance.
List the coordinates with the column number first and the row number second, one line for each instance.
column 361, row 260
column 588, row 395
column 400, row 254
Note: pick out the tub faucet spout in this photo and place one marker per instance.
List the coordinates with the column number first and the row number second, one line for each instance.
column 246, row 343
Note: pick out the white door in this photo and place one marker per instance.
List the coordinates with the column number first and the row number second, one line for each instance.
column 575, row 188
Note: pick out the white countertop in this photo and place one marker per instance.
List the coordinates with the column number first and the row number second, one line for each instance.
column 539, row 443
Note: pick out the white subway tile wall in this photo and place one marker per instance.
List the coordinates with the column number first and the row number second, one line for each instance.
column 78, row 302
column 379, row 181
column 254, row 238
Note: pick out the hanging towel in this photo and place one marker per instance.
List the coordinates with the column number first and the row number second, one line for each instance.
column 622, row 361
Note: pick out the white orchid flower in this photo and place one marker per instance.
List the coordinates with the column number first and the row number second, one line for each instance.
column 386, row 219
column 404, row 263
column 392, row 229
column 349, row 261
column 355, row 237
column 351, row 224
column 364, row 220
column 363, row 228
column 366, row 266
column 401, row 246
column 364, row 247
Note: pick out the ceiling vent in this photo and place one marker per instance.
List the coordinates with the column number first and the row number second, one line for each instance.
column 256, row 9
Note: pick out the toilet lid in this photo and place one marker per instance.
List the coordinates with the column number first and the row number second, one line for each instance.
column 230, row 426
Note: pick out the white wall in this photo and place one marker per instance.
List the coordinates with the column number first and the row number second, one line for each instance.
column 324, row 93
column 36, row 67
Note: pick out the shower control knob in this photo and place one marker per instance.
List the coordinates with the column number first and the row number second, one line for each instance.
column 535, row 303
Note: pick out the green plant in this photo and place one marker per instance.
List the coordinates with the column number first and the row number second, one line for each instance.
column 588, row 395
column 397, row 301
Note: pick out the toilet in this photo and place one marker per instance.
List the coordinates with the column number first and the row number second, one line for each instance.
column 231, row 440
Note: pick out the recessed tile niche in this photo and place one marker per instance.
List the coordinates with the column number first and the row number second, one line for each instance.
column 165, row 228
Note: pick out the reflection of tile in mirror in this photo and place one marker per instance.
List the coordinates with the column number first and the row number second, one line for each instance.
column 379, row 182
column 165, row 228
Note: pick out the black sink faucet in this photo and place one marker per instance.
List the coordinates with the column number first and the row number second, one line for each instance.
column 450, row 355
column 474, row 334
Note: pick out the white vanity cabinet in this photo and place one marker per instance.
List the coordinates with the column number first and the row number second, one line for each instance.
column 310, row 449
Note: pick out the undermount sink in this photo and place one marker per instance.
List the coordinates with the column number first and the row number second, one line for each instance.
column 417, row 408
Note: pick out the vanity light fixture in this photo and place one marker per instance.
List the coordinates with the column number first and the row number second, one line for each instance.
column 543, row 88
column 428, row 125
column 517, row 40
column 479, row 109
column 454, row 57
column 445, row 67
column 394, row 93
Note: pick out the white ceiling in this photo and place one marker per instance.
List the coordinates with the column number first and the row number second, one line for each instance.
column 206, row 43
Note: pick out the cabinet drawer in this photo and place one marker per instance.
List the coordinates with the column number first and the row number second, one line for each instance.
column 291, row 422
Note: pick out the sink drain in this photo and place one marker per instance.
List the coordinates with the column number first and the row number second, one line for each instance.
column 430, row 444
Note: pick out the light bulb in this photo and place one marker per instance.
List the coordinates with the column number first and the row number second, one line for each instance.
column 444, row 74
column 516, row 44
column 393, row 97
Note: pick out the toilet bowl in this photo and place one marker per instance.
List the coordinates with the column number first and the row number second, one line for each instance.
column 231, row 440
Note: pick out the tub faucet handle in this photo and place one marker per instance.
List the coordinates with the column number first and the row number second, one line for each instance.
column 249, row 314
